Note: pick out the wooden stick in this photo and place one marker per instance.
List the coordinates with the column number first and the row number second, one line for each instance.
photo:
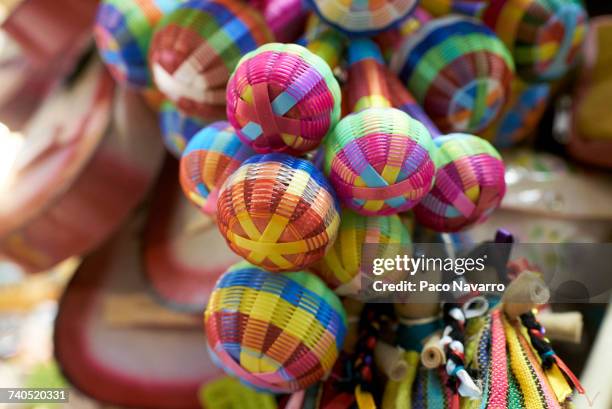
column 390, row 360
column 127, row 310
column 562, row 326
column 524, row 293
column 417, row 310
column 353, row 310
column 432, row 355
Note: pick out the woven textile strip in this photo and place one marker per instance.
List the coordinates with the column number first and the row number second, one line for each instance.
column 363, row 17
column 534, row 387
column 196, row 47
column 340, row 268
column 278, row 212
column 177, row 129
column 469, row 184
column 209, row 159
column 498, row 385
column 283, row 98
column 123, row 31
column 275, row 332
column 458, row 70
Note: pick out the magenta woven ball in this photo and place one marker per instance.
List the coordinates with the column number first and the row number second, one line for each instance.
column 469, row 184
column 283, row 98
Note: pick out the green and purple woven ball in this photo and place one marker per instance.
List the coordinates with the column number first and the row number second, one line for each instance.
column 211, row 156
column 197, row 46
column 283, row 98
column 123, row 31
column 275, row 332
column 458, row 70
column 363, row 17
column 177, row 128
column 380, row 161
column 469, row 184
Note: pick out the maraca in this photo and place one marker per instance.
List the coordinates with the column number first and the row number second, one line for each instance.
column 278, row 212
column 196, row 47
column 521, row 114
column 276, row 332
column 545, row 37
column 210, row 158
column 340, row 268
column 379, row 160
column 123, row 31
column 177, row 128
column 358, row 17
column 284, row 98
column 458, row 70
column 469, row 181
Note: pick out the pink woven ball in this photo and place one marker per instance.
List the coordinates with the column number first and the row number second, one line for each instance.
column 469, row 184
column 283, row 98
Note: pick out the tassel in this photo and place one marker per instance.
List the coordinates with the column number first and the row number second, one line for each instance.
column 365, row 400
column 545, row 351
column 452, row 341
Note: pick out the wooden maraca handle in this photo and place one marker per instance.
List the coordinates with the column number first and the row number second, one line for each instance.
column 127, row 310
column 433, row 355
column 390, row 360
column 524, row 293
column 562, row 326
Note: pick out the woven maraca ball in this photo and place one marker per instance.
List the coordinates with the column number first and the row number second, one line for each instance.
column 211, row 156
column 177, row 128
column 195, row 49
column 360, row 17
column 380, row 161
column 469, row 184
column 123, row 31
column 341, row 266
column 458, row 70
column 275, row 332
column 521, row 114
column 545, row 37
column 278, row 212
column 283, row 98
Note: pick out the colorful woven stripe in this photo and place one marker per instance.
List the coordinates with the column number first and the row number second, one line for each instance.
column 278, row 212
column 458, row 70
column 196, row 47
column 209, row 159
column 465, row 7
column 278, row 332
column 545, row 37
column 341, row 266
column 123, row 31
column 363, row 17
column 469, row 184
column 521, row 114
column 534, row 386
column 498, row 384
column 283, row 98
column 177, row 129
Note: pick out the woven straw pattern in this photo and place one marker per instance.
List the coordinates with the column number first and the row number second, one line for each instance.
column 380, row 161
column 458, row 70
column 210, row 158
column 363, row 17
column 544, row 36
column 278, row 212
column 123, row 31
column 283, row 98
column 196, row 47
column 278, row 332
column 341, row 265
column 469, row 184
column 177, row 129
column 521, row 114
